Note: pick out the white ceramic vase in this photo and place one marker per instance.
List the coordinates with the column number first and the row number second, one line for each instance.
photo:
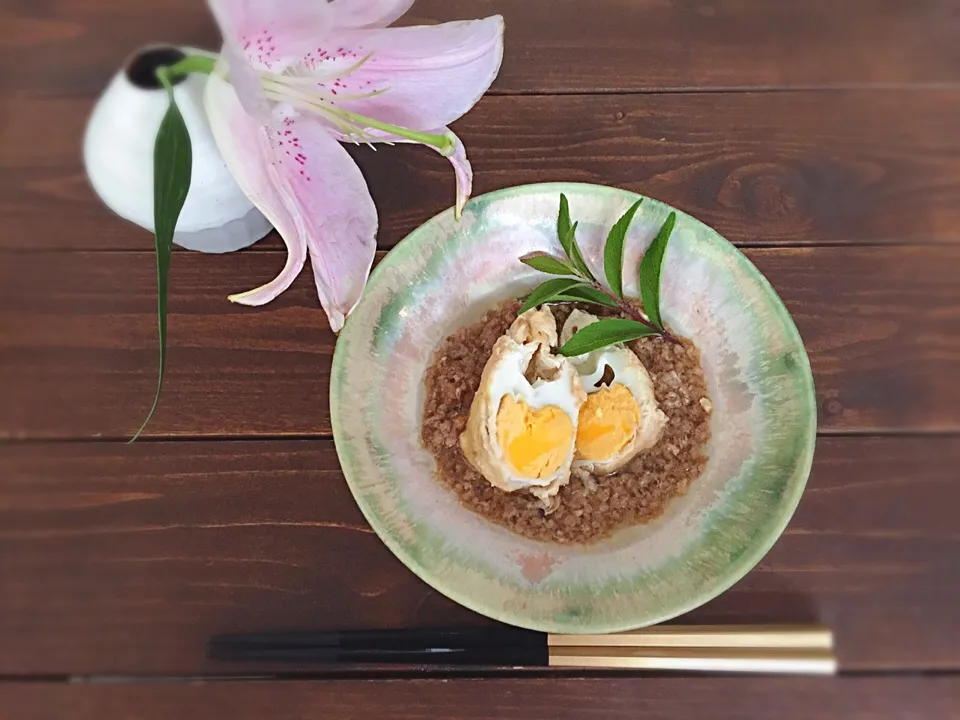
column 118, row 154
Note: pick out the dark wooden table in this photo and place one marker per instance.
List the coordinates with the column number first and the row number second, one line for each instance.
column 823, row 137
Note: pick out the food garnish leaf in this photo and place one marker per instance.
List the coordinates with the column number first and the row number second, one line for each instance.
column 650, row 268
column 585, row 293
column 613, row 250
column 550, row 264
column 567, row 235
column 586, row 289
column 547, row 291
column 604, row 332
column 563, row 224
column 575, row 255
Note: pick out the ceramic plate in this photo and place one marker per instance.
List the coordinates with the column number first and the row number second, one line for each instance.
column 447, row 274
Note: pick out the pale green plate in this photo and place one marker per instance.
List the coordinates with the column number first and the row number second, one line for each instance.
column 446, row 274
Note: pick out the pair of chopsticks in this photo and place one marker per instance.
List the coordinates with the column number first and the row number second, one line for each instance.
column 773, row 649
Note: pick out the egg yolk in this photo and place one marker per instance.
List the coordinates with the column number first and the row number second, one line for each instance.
column 536, row 442
column 608, row 421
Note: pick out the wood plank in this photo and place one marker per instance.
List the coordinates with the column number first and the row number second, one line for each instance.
column 789, row 168
column 78, row 342
column 566, row 46
column 658, row 698
column 123, row 559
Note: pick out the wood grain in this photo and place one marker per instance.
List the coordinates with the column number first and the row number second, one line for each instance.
column 768, row 168
column 123, row 559
column 551, row 46
column 660, row 698
column 78, row 342
column 119, row 559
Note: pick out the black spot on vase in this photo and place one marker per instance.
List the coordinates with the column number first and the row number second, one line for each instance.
column 141, row 70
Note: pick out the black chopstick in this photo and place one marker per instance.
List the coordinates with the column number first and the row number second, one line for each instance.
column 512, row 647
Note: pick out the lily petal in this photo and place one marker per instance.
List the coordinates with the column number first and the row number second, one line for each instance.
column 245, row 147
column 272, row 39
column 246, row 81
column 332, row 208
column 307, row 185
column 367, row 13
column 464, row 173
column 416, row 77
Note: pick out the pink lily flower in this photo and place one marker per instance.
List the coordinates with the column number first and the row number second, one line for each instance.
column 297, row 78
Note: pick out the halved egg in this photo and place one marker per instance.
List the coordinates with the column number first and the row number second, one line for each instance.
column 523, row 421
column 620, row 418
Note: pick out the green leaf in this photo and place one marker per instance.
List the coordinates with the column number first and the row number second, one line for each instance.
column 546, row 291
column 650, row 268
column 575, row 255
column 608, row 331
column 545, row 262
column 563, row 224
column 613, row 250
column 173, row 160
column 567, row 235
column 586, row 294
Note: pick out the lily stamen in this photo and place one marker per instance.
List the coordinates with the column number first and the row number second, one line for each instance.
column 349, row 120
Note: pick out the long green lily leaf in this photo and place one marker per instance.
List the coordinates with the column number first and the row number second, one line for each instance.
column 172, row 164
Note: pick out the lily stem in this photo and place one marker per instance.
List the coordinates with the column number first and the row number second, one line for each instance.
column 191, row 64
column 169, row 74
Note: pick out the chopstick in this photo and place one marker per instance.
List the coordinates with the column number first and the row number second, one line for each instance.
column 704, row 648
column 733, row 660
column 788, row 649
column 706, row 636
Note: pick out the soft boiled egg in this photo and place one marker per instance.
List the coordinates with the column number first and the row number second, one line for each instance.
column 523, row 421
column 620, row 418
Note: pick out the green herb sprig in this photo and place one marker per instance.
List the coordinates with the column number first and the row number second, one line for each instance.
column 577, row 284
